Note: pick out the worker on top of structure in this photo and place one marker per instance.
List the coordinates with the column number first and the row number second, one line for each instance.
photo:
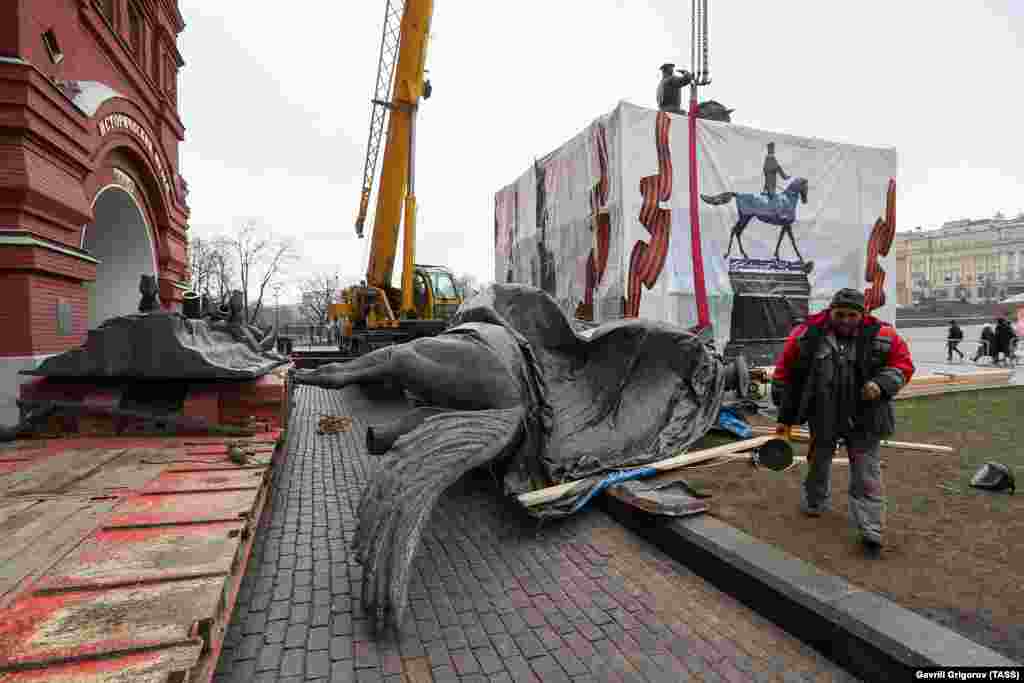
column 670, row 96
column 839, row 372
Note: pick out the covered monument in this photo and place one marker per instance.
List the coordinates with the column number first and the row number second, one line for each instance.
column 510, row 385
column 155, row 344
column 603, row 225
column 141, row 370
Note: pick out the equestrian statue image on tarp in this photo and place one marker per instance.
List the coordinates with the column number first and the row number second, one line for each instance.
column 770, row 208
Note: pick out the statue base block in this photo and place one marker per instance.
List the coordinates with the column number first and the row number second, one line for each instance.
column 770, row 298
column 112, row 408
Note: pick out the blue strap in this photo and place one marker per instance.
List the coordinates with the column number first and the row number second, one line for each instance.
column 730, row 421
column 611, row 480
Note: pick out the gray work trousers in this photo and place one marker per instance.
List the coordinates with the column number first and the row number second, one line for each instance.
column 867, row 504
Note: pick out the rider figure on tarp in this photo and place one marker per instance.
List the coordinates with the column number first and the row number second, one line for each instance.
column 771, row 170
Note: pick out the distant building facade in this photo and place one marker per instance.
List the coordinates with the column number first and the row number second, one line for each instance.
column 976, row 261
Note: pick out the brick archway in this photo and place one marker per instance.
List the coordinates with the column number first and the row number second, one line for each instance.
column 121, row 239
column 127, row 155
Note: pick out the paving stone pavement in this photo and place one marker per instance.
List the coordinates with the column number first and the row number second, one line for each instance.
column 492, row 600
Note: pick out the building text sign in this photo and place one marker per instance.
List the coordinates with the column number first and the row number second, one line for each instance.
column 125, row 122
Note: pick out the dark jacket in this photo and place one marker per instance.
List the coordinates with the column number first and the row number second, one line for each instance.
column 807, row 388
column 670, row 93
column 988, row 339
column 1004, row 337
column 956, row 333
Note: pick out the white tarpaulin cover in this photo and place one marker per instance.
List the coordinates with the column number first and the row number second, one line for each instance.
column 610, row 208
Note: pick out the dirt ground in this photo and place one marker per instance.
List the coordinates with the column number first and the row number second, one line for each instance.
column 948, row 546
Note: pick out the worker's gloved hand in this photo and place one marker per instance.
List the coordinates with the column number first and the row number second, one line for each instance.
column 784, row 432
column 871, row 392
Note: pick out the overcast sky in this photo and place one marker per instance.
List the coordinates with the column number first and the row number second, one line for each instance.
column 275, row 101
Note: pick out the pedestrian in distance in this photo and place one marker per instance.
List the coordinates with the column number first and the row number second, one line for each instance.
column 1004, row 338
column 953, row 339
column 839, row 372
column 987, row 345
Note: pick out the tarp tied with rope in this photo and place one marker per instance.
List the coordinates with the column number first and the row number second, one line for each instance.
column 605, row 222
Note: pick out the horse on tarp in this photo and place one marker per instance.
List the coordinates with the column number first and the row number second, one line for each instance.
column 778, row 209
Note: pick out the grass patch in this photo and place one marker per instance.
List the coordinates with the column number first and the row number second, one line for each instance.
column 982, row 425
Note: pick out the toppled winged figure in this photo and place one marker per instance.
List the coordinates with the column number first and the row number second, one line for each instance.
column 511, row 384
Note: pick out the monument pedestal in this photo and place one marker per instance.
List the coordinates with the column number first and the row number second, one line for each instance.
column 770, row 297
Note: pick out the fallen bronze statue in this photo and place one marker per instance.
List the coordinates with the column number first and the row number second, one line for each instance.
column 512, row 386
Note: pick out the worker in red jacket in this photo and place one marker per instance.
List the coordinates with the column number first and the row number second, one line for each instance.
column 839, row 372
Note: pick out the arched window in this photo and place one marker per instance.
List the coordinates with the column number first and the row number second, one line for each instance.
column 135, row 28
column 108, row 9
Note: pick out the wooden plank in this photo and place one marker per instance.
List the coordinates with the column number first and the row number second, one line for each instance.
column 803, row 435
column 209, row 506
column 152, row 666
column 903, row 395
column 55, row 473
column 120, row 556
column 550, row 493
column 10, row 507
column 71, row 624
column 133, row 470
column 213, row 480
column 41, row 535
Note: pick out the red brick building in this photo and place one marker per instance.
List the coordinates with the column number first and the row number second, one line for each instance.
column 90, row 194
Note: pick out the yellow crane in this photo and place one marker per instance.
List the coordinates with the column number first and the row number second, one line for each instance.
column 427, row 297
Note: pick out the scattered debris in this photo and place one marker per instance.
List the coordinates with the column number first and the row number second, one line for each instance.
column 333, row 424
column 994, row 476
column 237, row 455
column 672, row 498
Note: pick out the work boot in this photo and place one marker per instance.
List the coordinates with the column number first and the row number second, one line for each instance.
column 872, row 548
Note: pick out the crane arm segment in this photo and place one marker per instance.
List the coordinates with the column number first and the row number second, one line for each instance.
column 389, row 44
column 396, row 179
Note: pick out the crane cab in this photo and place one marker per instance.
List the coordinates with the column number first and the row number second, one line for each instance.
column 367, row 314
column 434, row 293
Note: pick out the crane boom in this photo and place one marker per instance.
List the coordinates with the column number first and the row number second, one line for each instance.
column 397, row 193
column 381, row 94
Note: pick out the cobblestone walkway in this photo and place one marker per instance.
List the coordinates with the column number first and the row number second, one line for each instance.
column 585, row 600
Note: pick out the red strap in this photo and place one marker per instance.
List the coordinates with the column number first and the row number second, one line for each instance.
column 703, row 318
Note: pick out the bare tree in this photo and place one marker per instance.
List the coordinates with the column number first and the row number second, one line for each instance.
column 223, row 268
column 318, row 293
column 200, row 265
column 211, row 267
column 262, row 258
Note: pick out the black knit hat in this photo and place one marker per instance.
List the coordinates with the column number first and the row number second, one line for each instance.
column 849, row 298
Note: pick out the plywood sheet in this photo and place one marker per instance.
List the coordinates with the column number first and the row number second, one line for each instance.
column 70, row 625
column 39, row 534
column 113, row 556
column 55, row 473
column 208, row 506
